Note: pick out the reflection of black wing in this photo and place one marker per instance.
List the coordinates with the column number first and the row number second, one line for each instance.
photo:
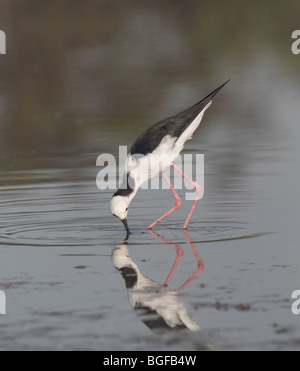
column 154, row 321
column 130, row 276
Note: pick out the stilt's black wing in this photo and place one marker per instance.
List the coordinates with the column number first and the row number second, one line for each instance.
column 173, row 126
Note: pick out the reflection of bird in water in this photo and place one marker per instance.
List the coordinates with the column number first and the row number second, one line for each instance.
column 159, row 307
column 153, row 152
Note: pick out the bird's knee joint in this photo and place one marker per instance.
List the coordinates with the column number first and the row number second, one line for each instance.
column 198, row 190
column 178, row 203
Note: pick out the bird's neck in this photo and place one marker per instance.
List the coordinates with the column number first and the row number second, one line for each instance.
column 128, row 188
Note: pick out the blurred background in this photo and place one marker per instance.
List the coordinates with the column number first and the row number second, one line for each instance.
column 80, row 78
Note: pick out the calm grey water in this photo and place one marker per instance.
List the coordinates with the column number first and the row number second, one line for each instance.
column 78, row 82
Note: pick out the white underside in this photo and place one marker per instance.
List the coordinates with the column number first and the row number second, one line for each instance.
column 162, row 157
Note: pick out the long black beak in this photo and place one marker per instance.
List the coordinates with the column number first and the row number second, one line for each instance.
column 124, row 221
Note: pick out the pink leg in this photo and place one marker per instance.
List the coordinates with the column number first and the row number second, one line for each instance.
column 177, row 205
column 198, row 193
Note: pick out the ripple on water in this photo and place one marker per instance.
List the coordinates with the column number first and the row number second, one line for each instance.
column 56, row 214
column 220, row 231
column 46, row 212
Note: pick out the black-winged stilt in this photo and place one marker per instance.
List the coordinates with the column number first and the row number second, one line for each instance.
column 153, row 152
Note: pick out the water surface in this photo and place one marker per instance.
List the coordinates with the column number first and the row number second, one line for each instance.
column 91, row 79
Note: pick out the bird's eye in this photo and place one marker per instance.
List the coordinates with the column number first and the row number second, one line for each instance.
column 126, row 208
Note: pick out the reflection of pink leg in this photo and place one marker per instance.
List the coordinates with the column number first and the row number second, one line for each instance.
column 177, row 205
column 200, row 262
column 179, row 252
column 198, row 193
